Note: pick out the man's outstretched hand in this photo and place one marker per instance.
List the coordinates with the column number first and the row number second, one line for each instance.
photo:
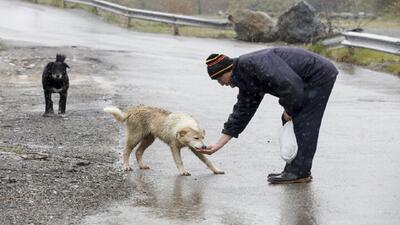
column 211, row 149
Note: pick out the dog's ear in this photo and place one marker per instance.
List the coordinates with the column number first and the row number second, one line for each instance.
column 49, row 68
column 181, row 133
column 66, row 65
column 50, row 65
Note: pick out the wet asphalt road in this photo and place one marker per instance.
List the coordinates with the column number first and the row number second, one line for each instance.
column 356, row 170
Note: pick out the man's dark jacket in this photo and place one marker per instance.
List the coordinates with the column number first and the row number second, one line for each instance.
column 281, row 72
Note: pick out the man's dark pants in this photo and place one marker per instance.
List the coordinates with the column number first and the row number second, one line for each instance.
column 306, row 127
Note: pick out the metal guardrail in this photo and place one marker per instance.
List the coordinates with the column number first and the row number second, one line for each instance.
column 333, row 42
column 372, row 41
column 168, row 18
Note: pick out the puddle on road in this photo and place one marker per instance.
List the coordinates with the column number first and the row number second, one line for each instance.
column 157, row 203
column 183, row 200
column 166, row 200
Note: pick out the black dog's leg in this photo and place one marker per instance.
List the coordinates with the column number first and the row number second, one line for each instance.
column 49, row 103
column 63, row 103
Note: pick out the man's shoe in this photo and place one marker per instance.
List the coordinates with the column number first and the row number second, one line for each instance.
column 274, row 174
column 278, row 174
column 289, row 178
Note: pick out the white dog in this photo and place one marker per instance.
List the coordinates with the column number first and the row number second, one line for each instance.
column 178, row 130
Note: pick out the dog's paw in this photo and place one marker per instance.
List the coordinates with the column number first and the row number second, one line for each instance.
column 219, row 172
column 127, row 168
column 144, row 167
column 185, row 173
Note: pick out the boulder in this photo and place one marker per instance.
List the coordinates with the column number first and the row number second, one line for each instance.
column 300, row 24
column 253, row 26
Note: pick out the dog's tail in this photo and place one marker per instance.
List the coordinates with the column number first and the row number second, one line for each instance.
column 117, row 113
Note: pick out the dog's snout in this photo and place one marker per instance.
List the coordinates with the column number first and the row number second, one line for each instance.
column 203, row 147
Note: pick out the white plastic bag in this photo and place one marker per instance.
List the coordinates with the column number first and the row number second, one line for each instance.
column 288, row 142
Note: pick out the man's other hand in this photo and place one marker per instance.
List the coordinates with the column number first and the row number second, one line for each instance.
column 286, row 116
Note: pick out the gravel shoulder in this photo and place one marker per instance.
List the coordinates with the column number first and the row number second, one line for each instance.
column 56, row 170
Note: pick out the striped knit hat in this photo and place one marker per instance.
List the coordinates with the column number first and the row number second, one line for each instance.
column 218, row 64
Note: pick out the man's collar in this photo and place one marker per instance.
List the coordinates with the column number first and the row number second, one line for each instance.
column 234, row 81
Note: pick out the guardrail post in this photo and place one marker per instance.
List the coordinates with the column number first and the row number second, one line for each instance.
column 128, row 22
column 351, row 51
column 96, row 11
column 176, row 29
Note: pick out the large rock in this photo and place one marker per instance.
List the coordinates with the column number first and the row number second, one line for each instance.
column 252, row 26
column 300, row 24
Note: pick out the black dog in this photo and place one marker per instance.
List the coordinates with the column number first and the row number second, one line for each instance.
column 55, row 80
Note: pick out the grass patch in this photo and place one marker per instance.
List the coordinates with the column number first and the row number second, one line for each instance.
column 369, row 57
column 377, row 60
column 13, row 149
column 207, row 32
column 393, row 68
column 318, row 48
column 151, row 27
column 89, row 9
column 154, row 27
